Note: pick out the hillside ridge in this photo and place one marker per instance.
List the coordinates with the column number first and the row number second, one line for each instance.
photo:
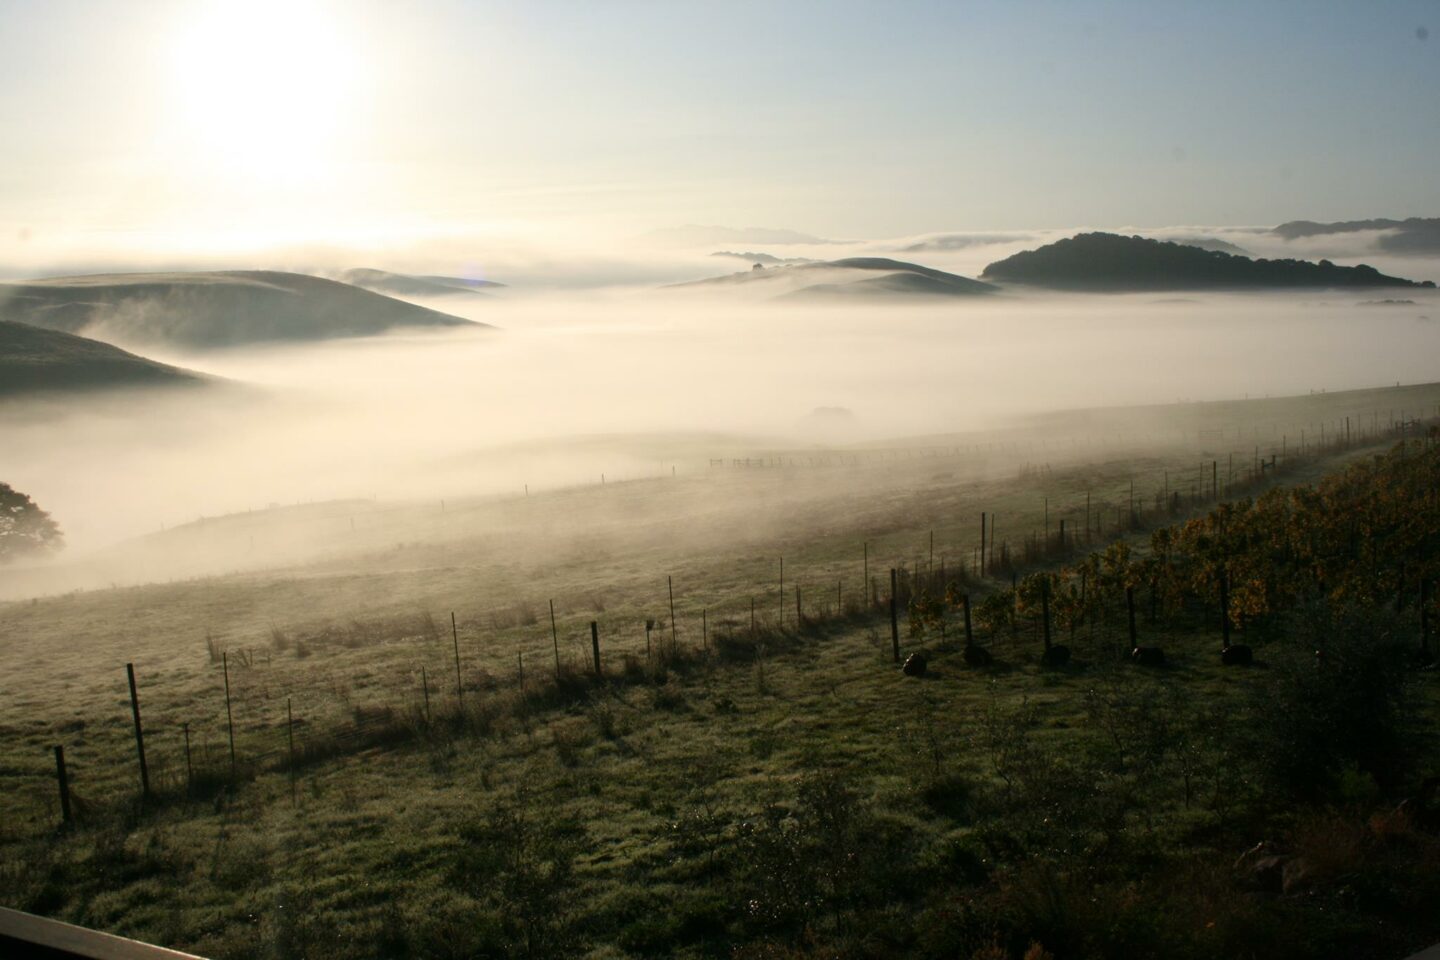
column 36, row 359
column 1115, row 263
column 214, row 309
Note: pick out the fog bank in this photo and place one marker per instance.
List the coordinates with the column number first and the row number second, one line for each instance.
column 572, row 387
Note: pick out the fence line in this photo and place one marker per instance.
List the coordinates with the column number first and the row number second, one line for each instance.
column 722, row 637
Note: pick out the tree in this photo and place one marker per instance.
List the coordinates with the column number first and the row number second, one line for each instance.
column 24, row 528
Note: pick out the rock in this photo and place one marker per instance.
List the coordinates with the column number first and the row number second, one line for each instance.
column 1237, row 655
column 1148, row 656
column 915, row 665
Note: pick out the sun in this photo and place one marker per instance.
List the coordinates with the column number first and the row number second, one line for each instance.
column 263, row 89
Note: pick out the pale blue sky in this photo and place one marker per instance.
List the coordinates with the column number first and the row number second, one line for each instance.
column 316, row 119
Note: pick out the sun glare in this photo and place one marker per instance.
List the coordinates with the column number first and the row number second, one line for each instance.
column 264, row 89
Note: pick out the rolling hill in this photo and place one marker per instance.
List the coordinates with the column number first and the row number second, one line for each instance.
column 199, row 311
column 1413, row 235
column 36, row 359
column 1109, row 262
column 849, row 279
column 1208, row 243
column 768, row 259
column 406, row 285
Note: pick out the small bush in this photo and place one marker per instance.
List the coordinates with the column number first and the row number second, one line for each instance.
column 1331, row 715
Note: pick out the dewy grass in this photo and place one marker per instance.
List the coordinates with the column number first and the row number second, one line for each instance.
column 779, row 788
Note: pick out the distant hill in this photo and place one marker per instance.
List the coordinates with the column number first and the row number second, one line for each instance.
column 1413, row 235
column 210, row 310
column 897, row 285
column 35, row 359
column 1107, row 261
column 405, row 285
column 769, row 259
column 851, row 278
column 1210, row 243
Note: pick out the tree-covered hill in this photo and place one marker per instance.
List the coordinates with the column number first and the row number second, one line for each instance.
column 1110, row 262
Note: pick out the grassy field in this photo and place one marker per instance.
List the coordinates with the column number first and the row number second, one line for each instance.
column 791, row 796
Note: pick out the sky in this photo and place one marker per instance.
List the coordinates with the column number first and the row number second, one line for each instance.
column 217, row 124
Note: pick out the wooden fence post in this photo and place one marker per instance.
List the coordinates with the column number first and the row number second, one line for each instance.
column 674, row 645
column 894, row 618
column 782, row 591
column 139, row 734
column 64, row 780
column 229, row 717
column 555, row 638
column 965, row 602
column 425, row 686
column 455, row 636
column 595, row 644
column 982, row 543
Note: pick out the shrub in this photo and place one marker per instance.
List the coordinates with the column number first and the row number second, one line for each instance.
column 1336, row 705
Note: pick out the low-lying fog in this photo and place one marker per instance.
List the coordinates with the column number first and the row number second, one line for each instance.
column 431, row 416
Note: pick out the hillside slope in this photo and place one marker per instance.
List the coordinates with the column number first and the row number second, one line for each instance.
column 1413, row 235
column 35, row 359
column 407, row 285
column 846, row 279
column 210, row 310
column 1109, row 262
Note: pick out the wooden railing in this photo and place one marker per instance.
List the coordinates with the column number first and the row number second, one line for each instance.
column 26, row 935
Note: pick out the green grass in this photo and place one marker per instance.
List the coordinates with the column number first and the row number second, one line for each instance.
column 682, row 811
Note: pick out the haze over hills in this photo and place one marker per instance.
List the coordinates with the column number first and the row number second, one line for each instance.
column 846, row 279
column 769, row 259
column 406, row 285
column 36, row 359
column 1413, row 235
column 1109, row 262
column 962, row 241
column 1213, row 244
column 699, row 235
column 207, row 310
